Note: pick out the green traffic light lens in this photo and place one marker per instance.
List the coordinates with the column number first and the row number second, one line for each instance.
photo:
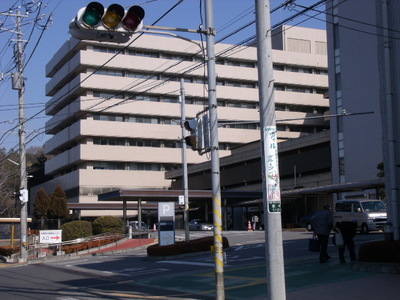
column 91, row 18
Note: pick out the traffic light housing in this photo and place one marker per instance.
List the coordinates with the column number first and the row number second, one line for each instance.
column 113, row 24
column 195, row 139
column 23, row 195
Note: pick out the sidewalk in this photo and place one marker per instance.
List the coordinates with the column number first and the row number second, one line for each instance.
column 124, row 246
column 117, row 247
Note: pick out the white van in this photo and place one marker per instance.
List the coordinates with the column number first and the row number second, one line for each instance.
column 369, row 214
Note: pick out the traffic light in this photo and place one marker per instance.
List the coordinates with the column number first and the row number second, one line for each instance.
column 113, row 24
column 195, row 139
column 23, row 195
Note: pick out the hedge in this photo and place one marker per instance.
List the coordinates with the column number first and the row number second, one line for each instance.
column 198, row 245
column 380, row 251
column 106, row 224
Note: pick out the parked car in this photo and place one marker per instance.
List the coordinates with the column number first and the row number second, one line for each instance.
column 198, row 224
column 307, row 221
column 135, row 225
column 370, row 214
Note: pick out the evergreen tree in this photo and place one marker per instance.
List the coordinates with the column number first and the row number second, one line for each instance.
column 42, row 206
column 58, row 205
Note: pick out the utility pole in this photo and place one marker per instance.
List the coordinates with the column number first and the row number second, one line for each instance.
column 269, row 155
column 22, row 145
column 18, row 83
column 184, row 164
column 215, row 175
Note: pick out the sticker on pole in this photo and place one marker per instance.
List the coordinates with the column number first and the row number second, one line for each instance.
column 272, row 170
column 50, row 236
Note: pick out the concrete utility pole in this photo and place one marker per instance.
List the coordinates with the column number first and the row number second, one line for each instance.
column 184, row 164
column 391, row 175
column 22, row 146
column 270, row 167
column 215, row 175
column 18, row 83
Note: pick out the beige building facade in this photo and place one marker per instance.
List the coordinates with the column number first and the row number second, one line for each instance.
column 115, row 110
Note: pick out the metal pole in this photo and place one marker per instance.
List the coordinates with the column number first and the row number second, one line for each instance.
column 184, row 164
column 270, row 168
column 215, row 175
column 22, row 146
column 140, row 214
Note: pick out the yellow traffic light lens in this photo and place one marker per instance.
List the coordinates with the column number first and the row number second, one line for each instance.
column 111, row 19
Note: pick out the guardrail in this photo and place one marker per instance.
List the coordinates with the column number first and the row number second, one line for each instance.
column 79, row 246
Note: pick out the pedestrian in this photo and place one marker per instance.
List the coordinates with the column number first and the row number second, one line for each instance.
column 348, row 230
column 322, row 226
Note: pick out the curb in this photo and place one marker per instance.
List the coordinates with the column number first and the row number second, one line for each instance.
column 376, row 267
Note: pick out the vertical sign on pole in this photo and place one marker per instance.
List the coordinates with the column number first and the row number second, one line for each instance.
column 272, row 170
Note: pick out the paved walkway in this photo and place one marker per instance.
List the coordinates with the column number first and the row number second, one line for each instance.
column 305, row 279
column 125, row 245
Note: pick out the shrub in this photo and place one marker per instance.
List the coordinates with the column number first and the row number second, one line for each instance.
column 7, row 251
column 380, row 251
column 75, row 230
column 90, row 244
column 107, row 224
column 198, row 245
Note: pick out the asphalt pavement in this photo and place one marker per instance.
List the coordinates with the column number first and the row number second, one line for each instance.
column 305, row 279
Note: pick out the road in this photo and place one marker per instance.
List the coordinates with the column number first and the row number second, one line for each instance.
column 132, row 275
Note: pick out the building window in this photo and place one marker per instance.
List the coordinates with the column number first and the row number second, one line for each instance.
column 108, row 95
column 112, row 118
column 110, row 72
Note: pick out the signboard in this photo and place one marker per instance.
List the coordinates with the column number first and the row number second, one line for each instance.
column 166, row 209
column 272, row 170
column 50, row 236
column 166, row 223
column 181, row 200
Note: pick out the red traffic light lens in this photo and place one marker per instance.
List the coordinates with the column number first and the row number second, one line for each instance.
column 93, row 13
column 133, row 18
column 113, row 16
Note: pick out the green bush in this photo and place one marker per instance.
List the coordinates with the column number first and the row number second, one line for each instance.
column 380, row 251
column 75, row 230
column 198, row 245
column 107, row 224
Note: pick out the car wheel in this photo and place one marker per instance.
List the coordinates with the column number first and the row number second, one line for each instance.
column 364, row 229
column 309, row 227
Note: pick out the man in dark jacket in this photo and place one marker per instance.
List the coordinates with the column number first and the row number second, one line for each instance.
column 348, row 230
column 323, row 225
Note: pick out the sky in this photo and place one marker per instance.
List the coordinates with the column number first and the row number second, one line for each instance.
column 44, row 37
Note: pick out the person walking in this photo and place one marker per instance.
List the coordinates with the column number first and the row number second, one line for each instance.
column 322, row 226
column 348, row 230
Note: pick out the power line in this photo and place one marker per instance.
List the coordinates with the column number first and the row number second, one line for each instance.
column 159, row 84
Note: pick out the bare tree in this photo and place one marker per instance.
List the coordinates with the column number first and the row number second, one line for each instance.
column 10, row 206
column 9, row 184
